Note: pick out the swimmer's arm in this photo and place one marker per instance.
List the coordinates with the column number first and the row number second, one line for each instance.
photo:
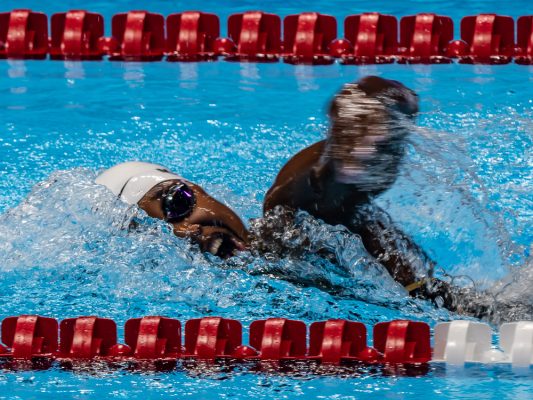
column 403, row 259
column 400, row 255
column 407, row 262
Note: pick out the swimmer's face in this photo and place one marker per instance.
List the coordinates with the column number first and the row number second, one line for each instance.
column 368, row 130
column 215, row 227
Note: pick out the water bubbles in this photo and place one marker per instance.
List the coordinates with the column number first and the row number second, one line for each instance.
column 79, row 250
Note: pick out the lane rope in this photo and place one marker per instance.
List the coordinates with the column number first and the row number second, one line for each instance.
column 256, row 36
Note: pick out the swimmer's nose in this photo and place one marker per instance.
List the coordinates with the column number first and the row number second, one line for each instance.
column 187, row 230
column 217, row 240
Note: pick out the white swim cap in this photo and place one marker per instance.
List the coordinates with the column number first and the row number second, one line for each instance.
column 132, row 180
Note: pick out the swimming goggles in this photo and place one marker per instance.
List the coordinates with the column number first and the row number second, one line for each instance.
column 178, row 202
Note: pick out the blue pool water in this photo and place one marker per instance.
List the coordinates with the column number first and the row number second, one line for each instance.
column 464, row 195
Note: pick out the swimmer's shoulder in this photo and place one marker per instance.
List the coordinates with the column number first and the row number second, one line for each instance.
column 293, row 178
column 301, row 162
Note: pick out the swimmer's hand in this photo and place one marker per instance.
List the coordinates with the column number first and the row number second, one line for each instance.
column 438, row 292
column 464, row 301
column 216, row 240
column 223, row 245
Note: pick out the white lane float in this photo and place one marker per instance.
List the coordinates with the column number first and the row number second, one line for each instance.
column 460, row 342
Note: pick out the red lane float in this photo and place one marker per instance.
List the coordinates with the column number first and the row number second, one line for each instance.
column 153, row 337
column 29, row 336
column 257, row 36
column 524, row 40
column 137, row 36
column 279, row 339
column 489, row 39
column 403, row 341
column 424, row 39
column 212, row 338
column 86, row 337
column 337, row 340
column 370, row 38
column 23, row 35
column 191, row 36
column 76, row 36
column 306, row 38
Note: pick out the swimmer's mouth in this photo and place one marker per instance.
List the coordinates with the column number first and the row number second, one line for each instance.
column 222, row 245
column 220, row 240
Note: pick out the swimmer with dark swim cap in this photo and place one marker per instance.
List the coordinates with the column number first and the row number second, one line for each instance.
column 337, row 179
column 185, row 205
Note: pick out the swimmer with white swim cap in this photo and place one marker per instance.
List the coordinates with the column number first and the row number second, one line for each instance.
column 183, row 204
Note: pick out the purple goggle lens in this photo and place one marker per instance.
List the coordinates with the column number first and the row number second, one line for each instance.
column 178, row 202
